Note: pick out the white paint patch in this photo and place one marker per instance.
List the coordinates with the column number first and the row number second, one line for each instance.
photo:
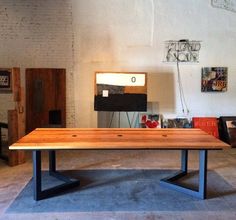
column 105, row 93
column 144, row 13
column 121, row 79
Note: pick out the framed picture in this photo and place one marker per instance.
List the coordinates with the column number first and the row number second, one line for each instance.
column 231, row 127
column 149, row 120
column 5, row 80
column 120, row 91
column 214, row 79
column 227, row 129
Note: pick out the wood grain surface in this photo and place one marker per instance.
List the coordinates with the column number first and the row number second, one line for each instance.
column 117, row 138
column 45, row 91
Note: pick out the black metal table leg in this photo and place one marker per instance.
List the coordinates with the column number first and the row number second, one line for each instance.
column 184, row 160
column 52, row 161
column 201, row 192
column 37, row 177
column 203, row 174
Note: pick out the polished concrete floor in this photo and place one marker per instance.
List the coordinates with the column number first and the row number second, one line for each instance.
column 13, row 180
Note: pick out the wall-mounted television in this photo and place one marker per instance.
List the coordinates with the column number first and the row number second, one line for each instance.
column 120, row 91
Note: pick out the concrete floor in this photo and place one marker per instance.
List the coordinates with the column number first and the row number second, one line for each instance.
column 13, row 180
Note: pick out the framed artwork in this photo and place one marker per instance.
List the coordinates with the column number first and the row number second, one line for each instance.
column 231, row 128
column 231, row 124
column 227, row 124
column 147, row 120
column 214, row 79
column 5, row 80
column 178, row 123
column 120, row 91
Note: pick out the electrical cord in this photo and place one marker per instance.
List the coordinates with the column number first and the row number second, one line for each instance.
column 181, row 91
column 180, row 86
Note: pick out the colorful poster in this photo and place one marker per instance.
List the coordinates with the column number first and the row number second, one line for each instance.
column 214, row 79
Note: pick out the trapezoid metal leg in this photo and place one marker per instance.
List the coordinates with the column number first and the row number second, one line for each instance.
column 37, row 177
column 201, row 192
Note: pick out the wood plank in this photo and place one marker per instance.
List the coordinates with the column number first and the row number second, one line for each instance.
column 16, row 157
column 12, row 136
column 15, row 128
column 103, row 138
column 46, row 91
column 21, row 124
column 16, row 84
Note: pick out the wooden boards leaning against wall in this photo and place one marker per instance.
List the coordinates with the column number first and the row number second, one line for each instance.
column 42, row 105
column 16, row 119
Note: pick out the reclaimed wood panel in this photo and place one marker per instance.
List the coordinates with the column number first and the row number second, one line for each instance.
column 16, row 84
column 15, row 157
column 45, row 91
column 16, row 123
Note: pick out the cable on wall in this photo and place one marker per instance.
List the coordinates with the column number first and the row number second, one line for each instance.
column 182, row 51
column 184, row 105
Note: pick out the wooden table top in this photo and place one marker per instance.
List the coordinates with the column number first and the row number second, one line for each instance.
column 117, row 138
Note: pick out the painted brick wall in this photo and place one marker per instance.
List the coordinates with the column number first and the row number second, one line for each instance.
column 37, row 34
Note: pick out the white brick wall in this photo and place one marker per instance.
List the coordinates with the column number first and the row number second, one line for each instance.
column 37, row 34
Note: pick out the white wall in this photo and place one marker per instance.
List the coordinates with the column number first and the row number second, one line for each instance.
column 85, row 36
column 123, row 35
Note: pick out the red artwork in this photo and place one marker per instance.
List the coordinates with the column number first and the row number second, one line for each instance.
column 150, row 121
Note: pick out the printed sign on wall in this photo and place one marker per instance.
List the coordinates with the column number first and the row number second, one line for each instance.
column 182, row 51
column 229, row 5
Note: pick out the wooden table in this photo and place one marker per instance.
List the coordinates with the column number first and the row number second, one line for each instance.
column 118, row 139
